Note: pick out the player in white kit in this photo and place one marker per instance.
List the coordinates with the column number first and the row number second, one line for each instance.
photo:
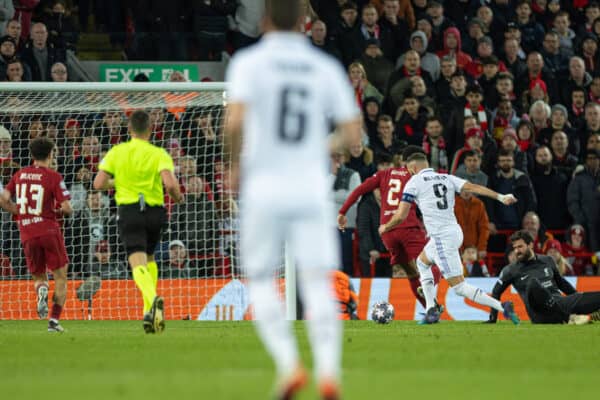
column 434, row 194
column 283, row 95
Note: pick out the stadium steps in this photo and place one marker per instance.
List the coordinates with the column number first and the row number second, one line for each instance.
column 96, row 46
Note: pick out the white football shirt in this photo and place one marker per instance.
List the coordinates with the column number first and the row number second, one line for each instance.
column 292, row 93
column 434, row 195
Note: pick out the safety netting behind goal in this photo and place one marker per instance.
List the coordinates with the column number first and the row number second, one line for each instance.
column 200, row 276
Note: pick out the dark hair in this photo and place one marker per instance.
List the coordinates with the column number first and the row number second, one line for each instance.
column 505, row 75
column 383, row 158
column 505, row 153
column 472, row 153
column 408, row 94
column 385, row 118
column 283, row 14
column 417, row 157
column 140, row 122
column 432, row 119
column 410, row 150
column 521, row 235
column 41, row 148
column 578, row 89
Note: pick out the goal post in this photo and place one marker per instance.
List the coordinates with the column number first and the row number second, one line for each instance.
column 200, row 275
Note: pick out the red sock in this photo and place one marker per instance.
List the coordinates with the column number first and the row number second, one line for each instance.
column 437, row 274
column 414, row 285
column 38, row 285
column 56, row 310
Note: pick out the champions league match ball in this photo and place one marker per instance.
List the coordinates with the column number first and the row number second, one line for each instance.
column 382, row 312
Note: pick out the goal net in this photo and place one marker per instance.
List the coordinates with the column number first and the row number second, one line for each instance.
column 199, row 271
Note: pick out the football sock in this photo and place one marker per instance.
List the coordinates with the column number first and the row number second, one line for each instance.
column 56, row 310
column 477, row 295
column 414, row 285
column 153, row 270
column 324, row 327
column 143, row 280
column 272, row 327
column 427, row 283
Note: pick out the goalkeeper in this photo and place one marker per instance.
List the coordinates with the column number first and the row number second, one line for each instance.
column 137, row 170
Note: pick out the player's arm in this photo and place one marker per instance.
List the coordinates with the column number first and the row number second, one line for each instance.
column 561, row 282
column 367, row 186
column 104, row 181
column 6, row 203
column 504, row 281
column 506, row 199
column 171, row 185
column 66, row 208
column 399, row 216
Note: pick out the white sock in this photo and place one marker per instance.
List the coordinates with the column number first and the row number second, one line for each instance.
column 274, row 330
column 427, row 283
column 324, row 327
column 477, row 295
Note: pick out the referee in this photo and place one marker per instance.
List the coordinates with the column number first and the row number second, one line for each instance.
column 539, row 284
column 137, row 170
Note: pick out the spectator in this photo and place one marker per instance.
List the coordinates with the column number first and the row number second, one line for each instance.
column 526, row 135
column 361, row 85
column 559, row 121
column 395, row 27
column 578, row 77
column 470, row 170
column 509, row 143
column 371, row 112
column 110, row 128
column 554, row 250
column 536, row 70
column 400, row 80
column 58, row 72
column 439, row 23
column 577, row 111
column 533, row 32
column 411, row 120
column 377, row 67
column 564, row 161
column 592, row 11
column 429, row 61
column 103, row 263
column 360, row 159
column 473, row 219
column 23, row 13
column 15, row 71
column 512, row 59
column 442, row 85
column 179, row 266
column 434, row 145
column 61, row 26
column 320, row 40
column 573, row 247
column 509, row 180
column 210, row 26
column 473, row 108
column 346, row 26
column 41, row 55
column 247, row 22
column 487, row 80
column 474, row 142
column 452, row 47
column 532, row 224
column 589, row 53
column 345, row 180
column 7, row 165
column 13, row 29
column 550, row 187
column 474, row 265
column 405, row 10
column 592, row 121
column 538, row 91
column 195, row 220
column 554, row 58
column 370, row 244
column 566, row 35
column 389, row 143
column 419, row 89
column 594, row 92
column 583, row 198
column 7, row 10
column 504, row 118
column 539, row 115
column 455, row 101
column 80, row 188
column 8, row 50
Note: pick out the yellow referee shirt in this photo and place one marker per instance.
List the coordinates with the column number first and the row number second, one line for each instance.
column 136, row 166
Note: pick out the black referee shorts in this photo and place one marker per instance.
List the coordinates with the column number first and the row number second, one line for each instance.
column 140, row 231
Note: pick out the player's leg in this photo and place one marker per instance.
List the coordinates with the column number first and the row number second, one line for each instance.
column 324, row 328
column 58, row 299
column 394, row 244
column 36, row 264
column 156, row 218
column 424, row 264
column 261, row 233
column 588, row 303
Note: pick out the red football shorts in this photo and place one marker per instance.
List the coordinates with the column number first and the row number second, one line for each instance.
column 45, row 253
column 404, row 244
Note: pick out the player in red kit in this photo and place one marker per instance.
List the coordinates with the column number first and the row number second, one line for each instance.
column 36, row 190
column 405, row 242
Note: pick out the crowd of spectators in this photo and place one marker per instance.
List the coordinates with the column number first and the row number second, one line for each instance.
column 504, row 93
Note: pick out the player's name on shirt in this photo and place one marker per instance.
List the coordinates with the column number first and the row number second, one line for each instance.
column 434, row 178
column 29, row 221
column 399, row 172
column 30, row 177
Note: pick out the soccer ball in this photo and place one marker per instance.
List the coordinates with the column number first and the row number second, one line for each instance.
column 382, row 312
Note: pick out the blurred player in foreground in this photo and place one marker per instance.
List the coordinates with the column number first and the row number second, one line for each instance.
column 37, row 190
column 282, row 96
column 434, row 194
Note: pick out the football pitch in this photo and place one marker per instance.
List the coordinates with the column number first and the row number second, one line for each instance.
column 224, row 360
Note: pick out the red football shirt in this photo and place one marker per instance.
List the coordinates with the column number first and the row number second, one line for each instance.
column 391, row 183
column 37, row 190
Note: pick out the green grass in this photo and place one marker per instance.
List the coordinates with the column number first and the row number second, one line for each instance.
column 194, row 360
